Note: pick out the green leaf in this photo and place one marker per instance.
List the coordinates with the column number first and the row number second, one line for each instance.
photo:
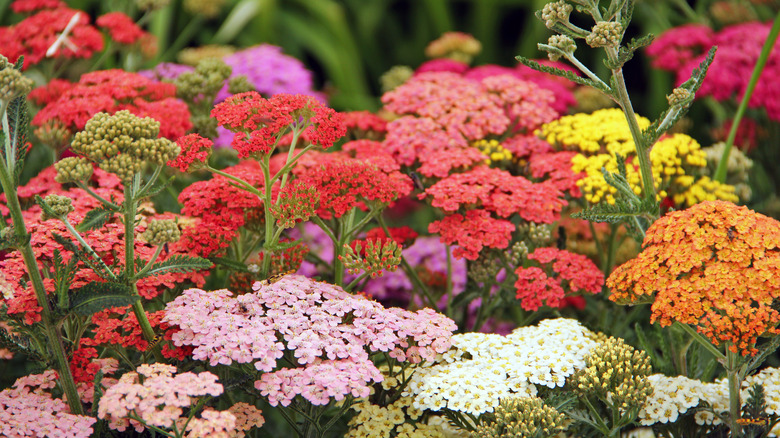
column 178, row 263
column 559, row 72
column 97, row 296
column 153, row 191
column 230, row 264
column 84, row 256
column 95, row 219
column 18, row 125
column 235, row 22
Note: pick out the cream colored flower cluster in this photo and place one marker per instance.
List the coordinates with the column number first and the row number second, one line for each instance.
column 481, row 369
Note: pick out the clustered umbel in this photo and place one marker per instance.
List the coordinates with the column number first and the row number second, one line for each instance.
column 162, row 231
column 615, row 372
column 380, row 255
column 679, row 96
column 522, row 417
column 151, row 5
column 537, row 234
column 485, row 268
column 121, row 144
column 605, row 34
column 517, row 253
column 240, row 84
column 457, row 46
column 207, row 8
column 556, row 12
column 562, row 43
column 73, row 169
column 59, row 206
column 12, row 83
column 199, row 88
column 397, row 75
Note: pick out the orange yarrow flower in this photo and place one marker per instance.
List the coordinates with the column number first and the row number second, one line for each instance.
column 715, row 266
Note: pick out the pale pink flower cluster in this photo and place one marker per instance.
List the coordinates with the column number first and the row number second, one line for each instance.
column 157, row 398
column 27, row 410
column 327, row 331
column 455, row 103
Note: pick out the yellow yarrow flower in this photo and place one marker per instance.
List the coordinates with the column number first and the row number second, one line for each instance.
column 496, row 153
column 676, row 160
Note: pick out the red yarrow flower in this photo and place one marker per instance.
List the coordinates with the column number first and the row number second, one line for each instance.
column 33, row 36
column 562, row 273
column 472, row 232
column 120, row 27
column 22, row 6
column 261, row 123
column 195, row 152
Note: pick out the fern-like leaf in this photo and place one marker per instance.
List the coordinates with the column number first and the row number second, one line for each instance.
column 96, row 296
column 178, row 263
column 559, row 72
column 230, row 264
column 84, row 256
column 95, row 219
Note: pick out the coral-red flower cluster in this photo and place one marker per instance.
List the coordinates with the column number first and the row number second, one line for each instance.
column 110, row 91
column 561, row 273
column 472, row 232
column 260, row 123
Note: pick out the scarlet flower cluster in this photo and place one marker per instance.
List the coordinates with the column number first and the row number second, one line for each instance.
column 472, row 232
column 221, row 207
column 715, row 266
column 22, row 6
column 562, row 273
column 195, row 152
column 344, row 183
column 110, row 91
column 34, row 35
column 260, row 123
column 120, row 27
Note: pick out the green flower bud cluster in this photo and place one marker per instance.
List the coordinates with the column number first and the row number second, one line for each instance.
column 521, row 418
column 536, row 234
column 12, row 83
column 193, row 55
column 151, row 5
column 161, row 231
column 678, row 96
column 296, row 203
column 205, row 82
column 123, row 143
column 380, row 256
column 562, row 43
column 59, row 206
column 73, row 169
column 517, row 253
column 616, row 372
column 605, row 34
column 485, row 268
column 394, row 77
column 54, row 134
column 207, row 8
column 738, row 168
column 240, row 84
column 556, row 12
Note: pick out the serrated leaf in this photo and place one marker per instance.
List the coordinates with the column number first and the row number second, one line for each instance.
column 153, row 191
column 44, row 206
column 96, row 296
column 559, row 72
column 84, row 257
column 178, row 263
column 230, row 264
column 94, row 219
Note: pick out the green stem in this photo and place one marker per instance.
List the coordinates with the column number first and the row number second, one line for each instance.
column 449, row 281
column 355, row 282
column 583, row 69
column 735, row 384
column 130, row 207
column 184, row 36
column 720, row 172
column 703, row 341
column 151, row 261
column 240, row 182
column 478, row 321
column 269, row 218
column 613, row 244
column 89, row 191
column 47, row 318
column 86, row 246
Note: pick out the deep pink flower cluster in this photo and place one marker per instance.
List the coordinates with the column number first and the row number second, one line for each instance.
column 159, row 398
column 111, row 91
column 328, row 333
column 683, row 48
column 472, row 232
column 562, row 273
column 261, row 123
column 498, row 191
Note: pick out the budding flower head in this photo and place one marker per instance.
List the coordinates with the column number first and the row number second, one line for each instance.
column 397, row 75
column 562, row 43
column 379, row 255
column 54, row 134
column 123, row 142
column 204, row 82
column 524, row 417
column 151, row 5
column 556, row 12
column 193, row 55
column 59, row 206
column 679, row 96
column 296, row 203
column 207, row 8
column 72, row 169
column 161, row 231
column 605, row 34
column 240, row 84
column 458, row 46
column 12, row 83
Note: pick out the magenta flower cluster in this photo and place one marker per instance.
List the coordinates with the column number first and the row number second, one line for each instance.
column 325, row 333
